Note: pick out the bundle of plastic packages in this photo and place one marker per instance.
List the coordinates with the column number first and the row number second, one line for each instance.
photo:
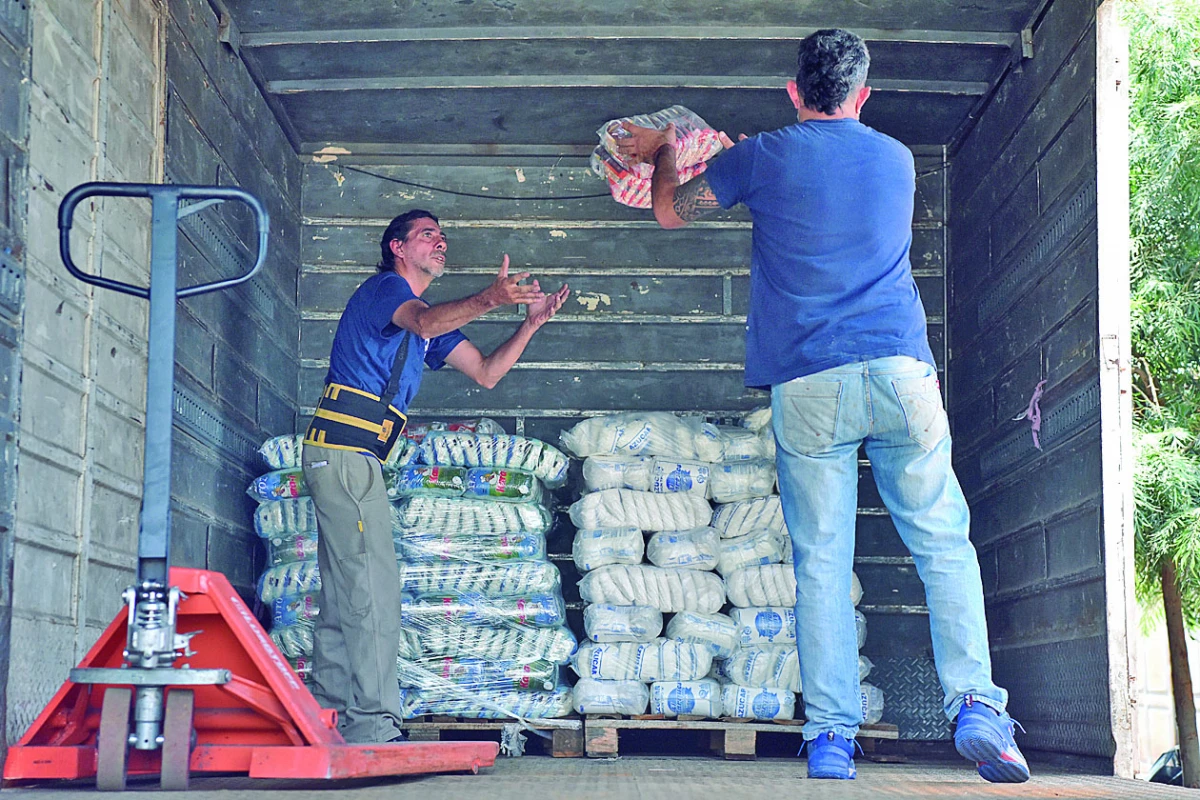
column 503, row 547
column 744, row 516
column 461, row 516
column 617, row 472
column 741, row 479
column 769, row 625
column 772, row 585
column 668, row 590
column 415, row 432
column 536, row 610
column 476, row 674
column 739, row 442
column 285, row 517
column 500, row 451
column 701, row 698
column 480, row 579
column 489, row 704
column 717, row 631
column 695, row 143
column 592, row 696
column 600, row 547
column 295, row 578
column 762, row 666
column 745, row 702
column 283, row 452
column 661, row 659
column 287, row 548
column 872, row 703
column 651, row 433
column 608, row 623
column 423, row 480
column 762, row 546
column 694, row 549
column 691, row 477
column 279, row 484
column 647, row 511
column 498, row 642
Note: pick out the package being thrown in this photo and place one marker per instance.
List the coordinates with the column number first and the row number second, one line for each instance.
column 630, row 183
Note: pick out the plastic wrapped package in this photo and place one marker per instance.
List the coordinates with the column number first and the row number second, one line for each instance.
column 416, row 432
column 608, row 623
column 286, row 548
column 652, row 433
column 762, row 546
column 740, row 443
column 661, row 659
column 647, row 511
column 616, row 472
column 691, row 477
column 762, row 666
column 416, row 547
column 491, row 704
column 758, row 420
column 534, row 611
column 701, row 698
column 767, row 438
column 694, row 549
column 600, row 547
column 496, row 451
column 613, row 434
column 745, row 702
column 283, row 517
column 296, row 640
column 499, row 643
column 280, row 484
column 715, row 630
column 629, row 184
column 872, row 703
column 426, row 480
column 283, row 452
column 476, row 675
column 610, row 697
column 772, row 585
column 860, row 627
column 303, row 667
column 440, row 514
column 765, row 625
column 865, row 665
column 740, row 518
column 453, row 578
column 292, row 609
column 504, row 485
column 743, row 479
column 296, row 578
column 668, row 590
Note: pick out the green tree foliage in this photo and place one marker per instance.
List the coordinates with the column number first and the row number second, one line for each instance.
column 1165, row 227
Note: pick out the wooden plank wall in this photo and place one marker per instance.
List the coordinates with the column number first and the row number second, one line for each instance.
column 236, row 351
column 1023, row 288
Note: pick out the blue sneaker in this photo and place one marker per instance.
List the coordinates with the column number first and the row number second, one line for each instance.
column 985, row 736
column 831, row 756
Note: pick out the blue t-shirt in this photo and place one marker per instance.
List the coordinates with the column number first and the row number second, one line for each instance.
column 366, row 342
column 830, row 279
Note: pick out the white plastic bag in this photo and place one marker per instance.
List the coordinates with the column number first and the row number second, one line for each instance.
column 668, row 590
column 772, row 585
column 592, row 696
column 604, row 622
column 701, row 698
column 498, row 450
column 745, row 702
column 872, row 703
column 647, row 511
column 738, row 519
column 715, row 630
column 600, row 547
column 661, row 659
column 691, row 477
column 296, row 515
column 763, row 666
column 440, row 579
column 860, row 628
column 739, row 443
column 731, row 481
column 461, row 516
column 762, row 546
column 616, row 472
column 283, row 452
column 652, row 433
column 694, row 549
column 765, row 625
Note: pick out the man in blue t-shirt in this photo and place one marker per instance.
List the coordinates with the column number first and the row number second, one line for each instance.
column 836, row 331
column 386, row 337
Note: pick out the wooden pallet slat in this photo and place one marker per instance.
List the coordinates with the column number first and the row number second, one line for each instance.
column 566, row 735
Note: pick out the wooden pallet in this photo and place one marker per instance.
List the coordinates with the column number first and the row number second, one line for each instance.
column 566, row 735
column 733, row 739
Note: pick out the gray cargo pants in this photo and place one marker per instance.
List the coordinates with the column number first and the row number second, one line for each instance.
column 357, row 633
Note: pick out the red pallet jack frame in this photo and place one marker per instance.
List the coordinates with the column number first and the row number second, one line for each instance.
column 233, row 704
column 263, row 722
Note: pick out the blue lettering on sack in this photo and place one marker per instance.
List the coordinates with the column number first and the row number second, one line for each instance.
column 679, row 480
column 768, row 623
column 765, row 705
column 680, row 700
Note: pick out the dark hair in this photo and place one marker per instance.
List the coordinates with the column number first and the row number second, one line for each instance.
column 398, row 228
column 831, row 63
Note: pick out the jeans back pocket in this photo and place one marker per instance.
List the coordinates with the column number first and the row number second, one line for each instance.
column 921, row 401
column 807, row 415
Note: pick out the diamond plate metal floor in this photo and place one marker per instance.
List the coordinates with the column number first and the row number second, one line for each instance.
column 543, row 778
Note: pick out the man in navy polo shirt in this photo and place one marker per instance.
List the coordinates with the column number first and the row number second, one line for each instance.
column 386, row 337
column 836, row 331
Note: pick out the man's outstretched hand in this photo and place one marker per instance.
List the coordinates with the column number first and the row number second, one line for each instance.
column 508, row 289
column 539, row 313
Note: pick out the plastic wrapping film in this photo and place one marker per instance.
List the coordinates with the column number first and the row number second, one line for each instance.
column 617, row 472
column 762, row 666
column 745, row 702
column 668, row 590
column 677, row 698
column 481, row 579
column 488, row 704
column 609, row 623
column 285, row 517
column 476, row 674
column 742, row 479
column 741, row 442
column 493, row 547
column 694, row 549
column 872, row 703
column 476, row 483
column 765, row 625
column 715, row 630
column 591, row 696
column 454, row 515
column 651, row 433
column 283, row 452
column 647, row 511
column 286, row 548
column 758, row 547
column 688, row 477
column 661, row 659
column 600, row 547
column 740, row 518
column 280, row 484
column 496, row 451
column 771, row 585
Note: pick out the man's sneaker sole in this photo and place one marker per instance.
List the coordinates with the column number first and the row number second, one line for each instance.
column 833, row 776
column 987, row 751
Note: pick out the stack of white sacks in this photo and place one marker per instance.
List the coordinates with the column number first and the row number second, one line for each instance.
column 655, row 473
column 482, row 606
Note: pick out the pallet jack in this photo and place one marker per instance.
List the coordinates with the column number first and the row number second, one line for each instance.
column 232, row 704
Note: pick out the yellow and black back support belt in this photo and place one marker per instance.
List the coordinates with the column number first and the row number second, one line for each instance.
column 351, row 419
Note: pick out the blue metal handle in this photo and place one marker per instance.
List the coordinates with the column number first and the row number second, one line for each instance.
column 173, row 193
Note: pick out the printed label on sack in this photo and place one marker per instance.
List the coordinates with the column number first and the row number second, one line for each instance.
column 768, row 624
column 681, row 700
column 765, row 705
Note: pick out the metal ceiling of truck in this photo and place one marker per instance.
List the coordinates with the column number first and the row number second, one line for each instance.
column 514, row 76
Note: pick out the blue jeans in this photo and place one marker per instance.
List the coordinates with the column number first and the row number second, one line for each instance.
column 894, row 406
